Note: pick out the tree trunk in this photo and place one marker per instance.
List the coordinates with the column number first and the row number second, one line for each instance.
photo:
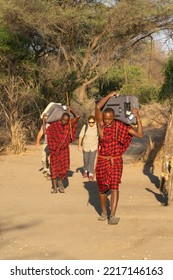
column 167, row 164
column 83, row 105
column 80, row 94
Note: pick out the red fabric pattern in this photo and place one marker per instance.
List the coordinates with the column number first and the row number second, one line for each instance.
column 59, row 138
column 115, row 141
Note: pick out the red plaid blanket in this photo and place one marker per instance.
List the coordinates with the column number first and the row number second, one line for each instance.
column 59, row 138
column 114, row 143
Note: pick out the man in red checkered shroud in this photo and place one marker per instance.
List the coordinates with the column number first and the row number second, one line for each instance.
column 59, row 136
column 114, row 139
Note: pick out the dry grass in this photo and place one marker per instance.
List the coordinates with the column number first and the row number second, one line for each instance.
column 154, row 115
column 18, row 139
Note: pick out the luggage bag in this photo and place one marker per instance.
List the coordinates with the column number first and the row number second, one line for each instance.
column 55, row 113
column 123, row 106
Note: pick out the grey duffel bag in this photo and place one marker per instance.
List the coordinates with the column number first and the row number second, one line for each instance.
column 123, row 106
column 55, row 113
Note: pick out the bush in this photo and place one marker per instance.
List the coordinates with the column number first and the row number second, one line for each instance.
column 148, row 94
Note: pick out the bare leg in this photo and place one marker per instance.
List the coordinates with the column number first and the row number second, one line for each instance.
column 103, row 202
column 114, row 201
column 103, row 198
column 54, row 189
column 61, row 186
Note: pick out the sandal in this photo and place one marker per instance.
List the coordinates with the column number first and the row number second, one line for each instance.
column 91, row 178
column 113, row 220
column 54, row 190
column 102, row 217
column 85, row 175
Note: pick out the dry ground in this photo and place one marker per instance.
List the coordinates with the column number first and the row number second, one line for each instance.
column 35, row 224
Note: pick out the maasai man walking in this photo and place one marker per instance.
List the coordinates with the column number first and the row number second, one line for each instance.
column 114, row 139
column 59, row 136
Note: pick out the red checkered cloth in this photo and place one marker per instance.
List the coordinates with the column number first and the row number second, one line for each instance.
column 114, row 143
column 59, row 138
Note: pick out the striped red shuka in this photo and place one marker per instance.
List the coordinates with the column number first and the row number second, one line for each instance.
column 59, row 138
column 114, row 143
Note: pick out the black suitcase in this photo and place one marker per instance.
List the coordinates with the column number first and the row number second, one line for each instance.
column 123, row 106
column 55, row 113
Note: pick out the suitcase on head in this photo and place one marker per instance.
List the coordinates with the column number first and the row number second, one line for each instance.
column 47, row 108
column 123, row 106
column 55, row 113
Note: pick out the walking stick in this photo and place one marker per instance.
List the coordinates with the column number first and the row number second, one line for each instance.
column 68, row 105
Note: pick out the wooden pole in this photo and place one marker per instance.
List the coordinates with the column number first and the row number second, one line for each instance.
column 68, row 105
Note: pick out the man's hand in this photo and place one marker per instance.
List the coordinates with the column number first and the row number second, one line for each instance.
column 136, row 113
column 44, row 116
column 79, row 148
column 113, row 93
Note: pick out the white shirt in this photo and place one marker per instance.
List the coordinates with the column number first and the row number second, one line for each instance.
column 90, row 138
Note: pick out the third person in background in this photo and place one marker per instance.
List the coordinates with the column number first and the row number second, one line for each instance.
column 88, row 143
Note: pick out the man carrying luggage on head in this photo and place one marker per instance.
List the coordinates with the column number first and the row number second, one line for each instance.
column 114, row 139
column 59, row 136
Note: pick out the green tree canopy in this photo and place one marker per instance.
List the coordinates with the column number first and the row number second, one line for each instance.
column 85, row 38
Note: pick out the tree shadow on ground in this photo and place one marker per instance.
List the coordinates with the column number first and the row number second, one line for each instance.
column 161, row 197
column 93, row 197
column 154, row 148
column 5, row 227
column 148, row 170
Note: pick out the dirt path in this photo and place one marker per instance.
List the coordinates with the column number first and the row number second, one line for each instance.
column 35, row 224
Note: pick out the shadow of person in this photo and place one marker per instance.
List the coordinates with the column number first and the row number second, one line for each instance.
column 70, row 173
column 79, row 169
column 65, row 182
column 161, row 197
column 93, row 196
column 148, row 170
